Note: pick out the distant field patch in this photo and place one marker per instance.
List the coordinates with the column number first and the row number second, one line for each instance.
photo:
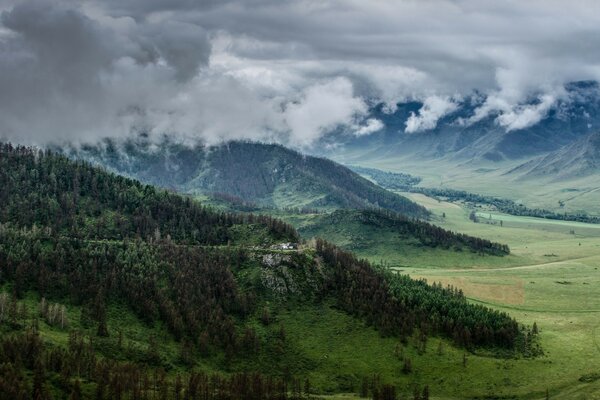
column 512, row 292
column 538, row 222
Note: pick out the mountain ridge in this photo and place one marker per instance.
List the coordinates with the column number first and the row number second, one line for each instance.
column 575, row 160
column 268, row 175
column 572, row 116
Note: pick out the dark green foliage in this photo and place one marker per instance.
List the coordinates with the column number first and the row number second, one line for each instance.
column 117, row 381
column 250, row 173
column 397, row 304
column 427, row 234
column 200, row 296
column 78, row 200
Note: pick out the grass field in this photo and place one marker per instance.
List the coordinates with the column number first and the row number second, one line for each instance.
column 552, row 278
column 488, row 178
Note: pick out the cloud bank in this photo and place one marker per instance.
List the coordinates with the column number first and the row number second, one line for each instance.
column 433, row 109
column 287, row 71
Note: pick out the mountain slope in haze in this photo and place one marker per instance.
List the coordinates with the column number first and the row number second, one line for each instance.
column 266, row 174
column 573, row 116
column 114, row 289
column 576, row 160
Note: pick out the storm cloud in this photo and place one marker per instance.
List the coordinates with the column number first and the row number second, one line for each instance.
column 287, row 71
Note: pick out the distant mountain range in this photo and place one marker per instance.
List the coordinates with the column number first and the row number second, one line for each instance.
column 574, row 116
column 264, row 174
column 562, row 147
column 578, row 159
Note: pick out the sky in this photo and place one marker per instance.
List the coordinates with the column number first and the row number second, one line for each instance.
column 279, row 70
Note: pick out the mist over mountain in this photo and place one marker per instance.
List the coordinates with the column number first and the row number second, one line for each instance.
column 289, row 72
column 267, row 175
column 457, row 132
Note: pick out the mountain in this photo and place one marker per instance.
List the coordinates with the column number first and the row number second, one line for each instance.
column 268, row 175
column 576, row 160
column 573, row 116
column 110, row 288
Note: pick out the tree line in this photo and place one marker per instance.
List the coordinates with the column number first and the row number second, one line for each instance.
column 399, row 305
column 76, row 199
column 77, row 363
column 427, row 234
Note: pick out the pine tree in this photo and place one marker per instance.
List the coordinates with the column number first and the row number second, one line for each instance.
column 76, row 391
column 39, row 390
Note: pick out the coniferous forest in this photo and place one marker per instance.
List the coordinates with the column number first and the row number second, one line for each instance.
column 299, row 199
column 425, row 233
column 279, row 177
column 73, row 236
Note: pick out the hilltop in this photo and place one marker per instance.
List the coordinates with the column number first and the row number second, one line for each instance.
column 399, row 240
column 266, row 175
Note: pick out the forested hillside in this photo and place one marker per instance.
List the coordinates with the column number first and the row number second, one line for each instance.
column 110, row 289
column 265, row 174
column 362, row 229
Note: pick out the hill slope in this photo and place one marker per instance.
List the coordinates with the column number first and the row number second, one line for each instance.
column 112, row 289
column 374, row 234
column 268, row 175
column 576, row 160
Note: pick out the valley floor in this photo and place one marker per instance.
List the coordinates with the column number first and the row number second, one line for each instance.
column 491, row 179
column 551, row 278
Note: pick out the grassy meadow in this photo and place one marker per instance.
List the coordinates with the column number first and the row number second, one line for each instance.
column 489, row 178
column 552, row 278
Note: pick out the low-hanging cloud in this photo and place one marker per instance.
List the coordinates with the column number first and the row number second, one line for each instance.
column 370, row 126
column 292, row 72
column 524, row 116
column 434, row 108
column 322, row 108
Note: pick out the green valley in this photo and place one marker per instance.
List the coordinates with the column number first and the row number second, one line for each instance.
column 299, row 200
column 551, row 278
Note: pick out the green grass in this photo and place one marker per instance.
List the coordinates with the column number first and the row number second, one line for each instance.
column 296, row 194
column 346, row 352
column 382, row 244
column 489, row 178
column 334, row 350
column 552, row 278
